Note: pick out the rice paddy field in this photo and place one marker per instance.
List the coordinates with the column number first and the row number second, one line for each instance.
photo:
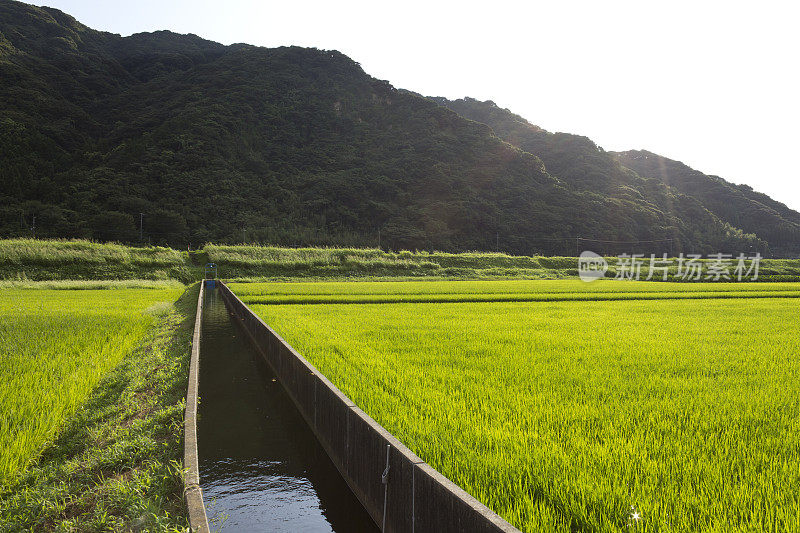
column 566, row 406
column 55, row 346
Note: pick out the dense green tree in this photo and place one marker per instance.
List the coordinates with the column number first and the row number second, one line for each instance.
column 114, row 226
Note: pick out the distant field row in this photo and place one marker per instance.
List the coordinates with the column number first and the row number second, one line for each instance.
column 494, row 287
column 499, row 291
column 571, row 416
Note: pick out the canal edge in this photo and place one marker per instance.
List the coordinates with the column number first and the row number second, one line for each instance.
column 198, row 520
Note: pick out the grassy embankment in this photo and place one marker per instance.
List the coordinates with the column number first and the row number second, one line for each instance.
column 91, row 406
column 572, row 416
column 24, row 259
column 37, row 260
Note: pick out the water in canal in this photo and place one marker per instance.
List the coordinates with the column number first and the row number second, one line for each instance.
column 261, row 468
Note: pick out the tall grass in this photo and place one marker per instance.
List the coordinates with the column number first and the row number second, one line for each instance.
column 43, row 252
column 55, row 345
column 28, row 259
column 573, row 416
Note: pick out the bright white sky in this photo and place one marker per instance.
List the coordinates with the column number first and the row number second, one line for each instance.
column 712, row 84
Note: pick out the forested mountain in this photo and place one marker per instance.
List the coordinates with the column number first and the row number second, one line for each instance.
column 178, row 140
column 669, row 186
column 738, row 205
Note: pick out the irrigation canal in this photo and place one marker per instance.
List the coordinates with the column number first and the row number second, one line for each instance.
column 261, row 467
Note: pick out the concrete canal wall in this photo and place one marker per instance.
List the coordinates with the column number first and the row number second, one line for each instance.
column 198, row 520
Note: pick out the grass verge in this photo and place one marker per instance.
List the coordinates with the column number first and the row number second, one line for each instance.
column 117, row 464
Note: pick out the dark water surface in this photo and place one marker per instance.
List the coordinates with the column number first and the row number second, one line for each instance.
column 261, row 468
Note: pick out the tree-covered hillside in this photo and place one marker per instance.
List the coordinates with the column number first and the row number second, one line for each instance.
column 738, row 205
column 176, row 140
column 668, row 186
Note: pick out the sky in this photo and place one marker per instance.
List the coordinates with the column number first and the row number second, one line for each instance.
column 712, row 84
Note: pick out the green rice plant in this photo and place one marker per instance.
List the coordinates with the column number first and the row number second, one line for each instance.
column 610, row 416
column 55, row 345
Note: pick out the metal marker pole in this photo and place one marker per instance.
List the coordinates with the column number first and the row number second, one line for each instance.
column 385, row 481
